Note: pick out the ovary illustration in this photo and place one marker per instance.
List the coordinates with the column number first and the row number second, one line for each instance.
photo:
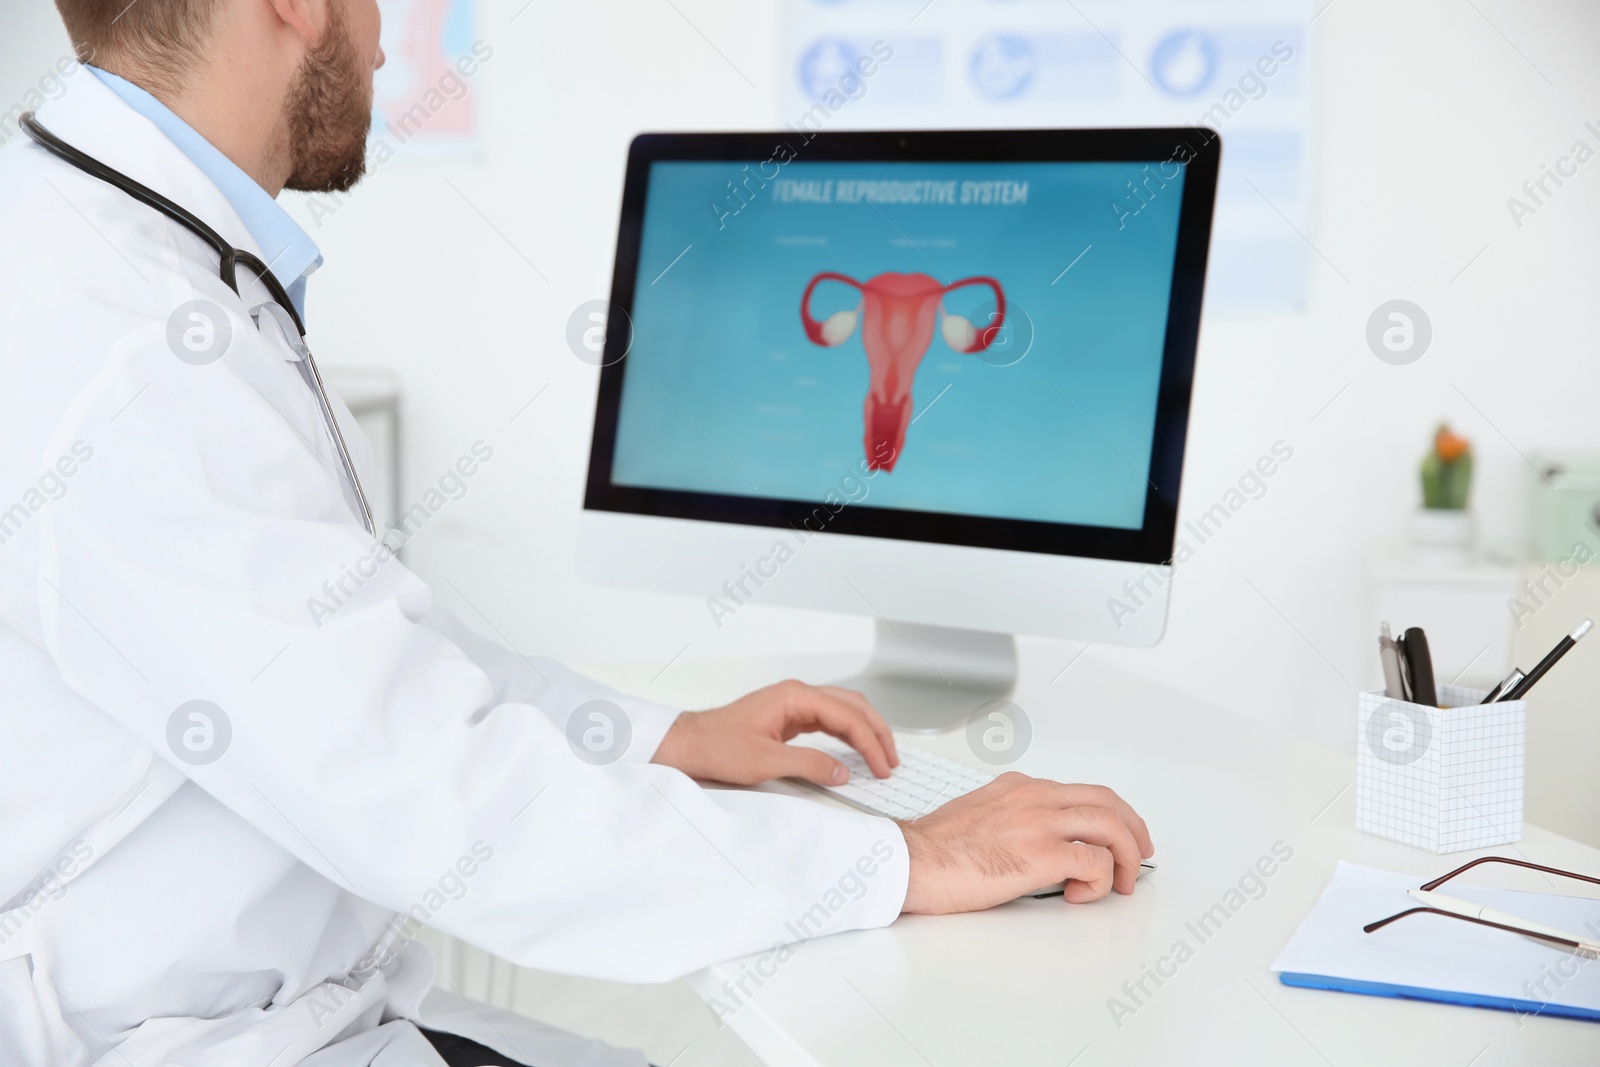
column 897, row 313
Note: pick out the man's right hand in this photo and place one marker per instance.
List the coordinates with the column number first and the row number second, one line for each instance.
column 1020, row 834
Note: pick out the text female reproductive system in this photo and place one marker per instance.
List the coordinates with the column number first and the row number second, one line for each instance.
column 897, row 313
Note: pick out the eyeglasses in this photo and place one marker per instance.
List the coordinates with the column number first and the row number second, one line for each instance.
column 1484, row 916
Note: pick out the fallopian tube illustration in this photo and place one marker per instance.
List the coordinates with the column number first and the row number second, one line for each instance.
column 896, row 314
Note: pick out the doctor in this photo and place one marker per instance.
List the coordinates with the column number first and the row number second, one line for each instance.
column 222, row 821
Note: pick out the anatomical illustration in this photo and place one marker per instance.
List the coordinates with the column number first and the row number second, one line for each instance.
column 897, row 314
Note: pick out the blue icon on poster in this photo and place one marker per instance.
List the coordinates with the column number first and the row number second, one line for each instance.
column 1003, row 66
column 825, row 64
column 1184, row 62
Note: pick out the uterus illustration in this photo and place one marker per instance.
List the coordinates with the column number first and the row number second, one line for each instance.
column 897, row 314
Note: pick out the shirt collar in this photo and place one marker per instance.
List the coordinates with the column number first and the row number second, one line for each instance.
column 288, row 250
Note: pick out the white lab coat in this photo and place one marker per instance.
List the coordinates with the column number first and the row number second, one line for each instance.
column 382, row 760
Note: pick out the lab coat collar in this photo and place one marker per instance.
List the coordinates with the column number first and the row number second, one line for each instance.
column 291, row 253
column 94, row 120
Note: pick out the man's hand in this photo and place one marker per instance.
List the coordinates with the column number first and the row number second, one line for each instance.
column 746, row 742
column 1018, row 834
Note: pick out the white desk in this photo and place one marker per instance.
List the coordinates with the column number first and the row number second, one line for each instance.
column 1029, row 983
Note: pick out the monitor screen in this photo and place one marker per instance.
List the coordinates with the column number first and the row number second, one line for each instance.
column 725, row 392
column 972, row 341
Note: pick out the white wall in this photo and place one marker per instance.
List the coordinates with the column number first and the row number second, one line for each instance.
column 1431, row 113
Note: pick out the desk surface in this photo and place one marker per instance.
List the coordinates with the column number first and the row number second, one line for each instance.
column 1033, row 982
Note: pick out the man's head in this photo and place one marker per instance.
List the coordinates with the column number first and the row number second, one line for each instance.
column 285, row 84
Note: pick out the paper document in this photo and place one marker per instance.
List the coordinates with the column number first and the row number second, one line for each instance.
column 1437, row 958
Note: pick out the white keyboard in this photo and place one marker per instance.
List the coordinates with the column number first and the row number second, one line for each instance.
column 922, row 782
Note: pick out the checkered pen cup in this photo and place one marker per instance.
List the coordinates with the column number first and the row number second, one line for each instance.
column 1442, row 779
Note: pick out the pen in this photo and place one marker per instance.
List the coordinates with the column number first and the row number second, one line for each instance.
column 1561, row 649
column 1510, row 682
column 1389, row 655
column 1467, row 909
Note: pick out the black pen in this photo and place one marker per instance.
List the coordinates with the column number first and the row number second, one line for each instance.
column 1517, row 691
column 1419, row 668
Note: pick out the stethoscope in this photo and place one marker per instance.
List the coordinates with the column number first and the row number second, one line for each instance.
column 282, row 311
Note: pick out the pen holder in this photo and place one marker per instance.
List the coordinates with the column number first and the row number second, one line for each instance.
column 1442, row 779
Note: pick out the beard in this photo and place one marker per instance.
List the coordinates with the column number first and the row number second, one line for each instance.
column 329, row 113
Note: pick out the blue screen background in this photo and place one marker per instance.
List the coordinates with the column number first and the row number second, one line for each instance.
column 723, row 393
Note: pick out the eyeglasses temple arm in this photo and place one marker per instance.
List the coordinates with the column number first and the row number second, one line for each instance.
column 1437, row 882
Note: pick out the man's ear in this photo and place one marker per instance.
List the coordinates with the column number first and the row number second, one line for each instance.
column 308, row 18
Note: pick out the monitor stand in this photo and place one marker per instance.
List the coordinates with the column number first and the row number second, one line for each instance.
column 928, row 679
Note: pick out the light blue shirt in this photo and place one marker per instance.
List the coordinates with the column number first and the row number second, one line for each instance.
column 287, row 249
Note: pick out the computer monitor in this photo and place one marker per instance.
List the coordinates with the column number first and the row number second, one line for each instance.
column 940, row 379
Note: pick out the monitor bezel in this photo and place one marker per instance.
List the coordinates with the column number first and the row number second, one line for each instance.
column 1196, row 148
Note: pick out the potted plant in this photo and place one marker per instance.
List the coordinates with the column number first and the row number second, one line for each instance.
column 1443, row 528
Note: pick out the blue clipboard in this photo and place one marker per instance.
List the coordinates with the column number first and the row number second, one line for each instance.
column 1441, row 996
